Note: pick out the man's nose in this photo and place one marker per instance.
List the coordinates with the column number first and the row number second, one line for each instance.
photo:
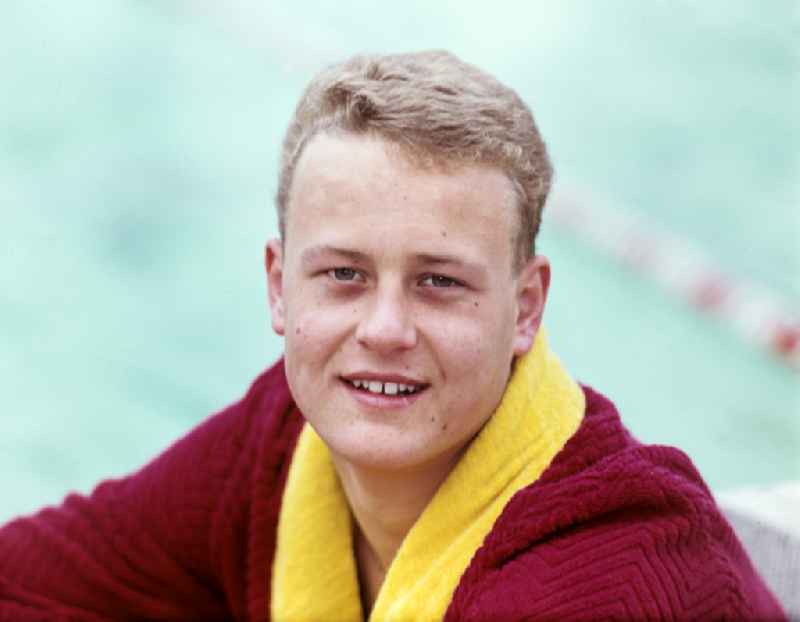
column 387, row 323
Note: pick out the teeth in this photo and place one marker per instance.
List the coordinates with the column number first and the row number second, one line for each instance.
column 386, row 388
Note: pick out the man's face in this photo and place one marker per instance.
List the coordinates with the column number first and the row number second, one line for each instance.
column 397, row 300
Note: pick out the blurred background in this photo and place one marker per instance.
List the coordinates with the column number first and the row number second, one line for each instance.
column 138, row 154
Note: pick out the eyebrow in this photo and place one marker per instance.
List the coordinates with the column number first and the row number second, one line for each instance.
column 314, row 252
column 430, row 259
column 434, row 259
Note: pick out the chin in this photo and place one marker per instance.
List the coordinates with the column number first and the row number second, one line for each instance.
column 367, row 452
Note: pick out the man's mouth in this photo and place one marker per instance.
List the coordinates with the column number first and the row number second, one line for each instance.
column 378, row 387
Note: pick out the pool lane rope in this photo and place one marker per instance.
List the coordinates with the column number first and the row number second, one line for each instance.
column 757, row 315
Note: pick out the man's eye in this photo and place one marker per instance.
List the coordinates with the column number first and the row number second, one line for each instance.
column 343, row 274
column 438, row 280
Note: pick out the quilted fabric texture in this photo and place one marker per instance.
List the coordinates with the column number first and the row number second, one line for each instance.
column 612, row 530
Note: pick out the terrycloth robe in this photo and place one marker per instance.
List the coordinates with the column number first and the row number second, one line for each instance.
column 612, row 529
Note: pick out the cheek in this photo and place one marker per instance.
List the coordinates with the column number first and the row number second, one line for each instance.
column 475, row 354
column 482, row 333
column 313, row 333
column 308, row 347
column 461, row 346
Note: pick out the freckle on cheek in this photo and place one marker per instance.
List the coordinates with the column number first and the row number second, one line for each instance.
column 476, row 303
column 444, row 427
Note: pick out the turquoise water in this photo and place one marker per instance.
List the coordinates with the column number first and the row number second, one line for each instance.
column 138, row 147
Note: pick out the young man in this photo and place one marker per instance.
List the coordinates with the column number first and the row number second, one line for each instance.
column 419, row 453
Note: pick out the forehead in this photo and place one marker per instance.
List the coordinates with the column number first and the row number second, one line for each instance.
column 351, row 185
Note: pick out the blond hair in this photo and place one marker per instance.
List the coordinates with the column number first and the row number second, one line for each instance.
column 439, row 110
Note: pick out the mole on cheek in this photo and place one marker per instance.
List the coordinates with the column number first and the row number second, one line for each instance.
column 444, row 234
column 297, row 331
column 476, row 303
column 444, row 427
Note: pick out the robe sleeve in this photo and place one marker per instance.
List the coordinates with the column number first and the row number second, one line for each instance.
column 638, row 537
column 137, row 548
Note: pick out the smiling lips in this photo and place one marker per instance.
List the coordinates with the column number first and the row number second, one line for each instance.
column 384, row 387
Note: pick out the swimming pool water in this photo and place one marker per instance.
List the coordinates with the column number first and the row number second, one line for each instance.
column 138, row 148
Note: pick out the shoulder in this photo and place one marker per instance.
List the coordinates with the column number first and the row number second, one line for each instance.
column 613, row 528
column 232, row 438
column 223, row 470
column 192, row 519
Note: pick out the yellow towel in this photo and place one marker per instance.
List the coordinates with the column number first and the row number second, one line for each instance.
column 314, row 572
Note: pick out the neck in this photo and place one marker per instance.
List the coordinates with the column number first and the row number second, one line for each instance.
column 385, row 505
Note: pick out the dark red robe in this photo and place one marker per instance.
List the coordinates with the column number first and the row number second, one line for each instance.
column 612, row 530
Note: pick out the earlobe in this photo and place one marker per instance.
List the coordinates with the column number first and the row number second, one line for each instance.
column 532, row 287
column 273, row 262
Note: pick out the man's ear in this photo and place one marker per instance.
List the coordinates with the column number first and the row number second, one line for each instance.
column 273, row 261
column 533, row 283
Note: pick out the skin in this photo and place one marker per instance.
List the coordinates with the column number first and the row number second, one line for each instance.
column 409, row 278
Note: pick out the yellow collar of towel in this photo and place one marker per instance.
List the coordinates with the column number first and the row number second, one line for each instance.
column 314, row 572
